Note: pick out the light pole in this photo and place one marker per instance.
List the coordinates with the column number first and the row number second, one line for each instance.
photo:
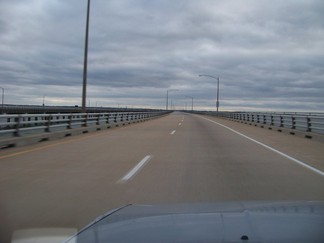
column 191, row 102
column 167, row 97
column 85, row 64
column 3, row 90
column 217, row 78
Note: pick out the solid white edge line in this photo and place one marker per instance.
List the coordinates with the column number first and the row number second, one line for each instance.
column 173, row 132
column 133, row 171
column 270, row 148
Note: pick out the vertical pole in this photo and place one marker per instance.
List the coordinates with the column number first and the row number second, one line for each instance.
column 84, row 88
column 191, row 103
column 217, row 102
column 2, row 110
column 167, row 100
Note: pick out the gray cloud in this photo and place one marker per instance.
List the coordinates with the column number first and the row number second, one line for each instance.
column 268, row 55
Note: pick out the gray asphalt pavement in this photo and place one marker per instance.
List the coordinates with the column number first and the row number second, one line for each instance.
column 178, row 158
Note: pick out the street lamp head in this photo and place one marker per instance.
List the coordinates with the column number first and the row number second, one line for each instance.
column 217, row 78
column 207, row 75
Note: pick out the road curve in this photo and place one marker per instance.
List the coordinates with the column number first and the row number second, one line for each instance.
column 178, row 158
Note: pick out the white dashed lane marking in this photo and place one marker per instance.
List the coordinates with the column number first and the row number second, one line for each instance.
column 135, row 170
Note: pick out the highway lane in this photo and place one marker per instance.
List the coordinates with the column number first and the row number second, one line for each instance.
column 179, row 158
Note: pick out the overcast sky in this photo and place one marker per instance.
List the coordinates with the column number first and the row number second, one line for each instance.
column 269, row 55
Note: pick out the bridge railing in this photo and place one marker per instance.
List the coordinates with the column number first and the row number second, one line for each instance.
column 295, row 121
column 24, row 124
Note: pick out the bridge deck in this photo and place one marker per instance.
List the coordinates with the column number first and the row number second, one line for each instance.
column 174, row 159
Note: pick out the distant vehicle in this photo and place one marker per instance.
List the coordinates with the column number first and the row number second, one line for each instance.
column 217, row 222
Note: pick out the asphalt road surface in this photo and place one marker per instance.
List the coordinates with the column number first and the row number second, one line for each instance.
column 179, row 158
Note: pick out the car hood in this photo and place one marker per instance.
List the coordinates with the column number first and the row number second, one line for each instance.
column 209, row 222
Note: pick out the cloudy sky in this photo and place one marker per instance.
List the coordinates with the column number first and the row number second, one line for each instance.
column 269, row 55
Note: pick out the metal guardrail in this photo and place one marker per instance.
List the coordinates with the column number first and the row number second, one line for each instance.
column 26, row 124
column 34, row 109
column 304, row 122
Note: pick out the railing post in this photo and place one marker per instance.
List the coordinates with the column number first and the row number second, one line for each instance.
column 69, row 126
column 48, row 123
column 17, row 126
column 281, row 121
column 85, row 119
column 309, row 124
column 271, row 120
column 293, row 122
column 107, row 119
column 98, row 119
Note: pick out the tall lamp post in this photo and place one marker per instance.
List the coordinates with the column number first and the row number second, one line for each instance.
column 2, row 103
column 191, row 102
column 217, row 78
column 85, row 64
column 167, row 97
